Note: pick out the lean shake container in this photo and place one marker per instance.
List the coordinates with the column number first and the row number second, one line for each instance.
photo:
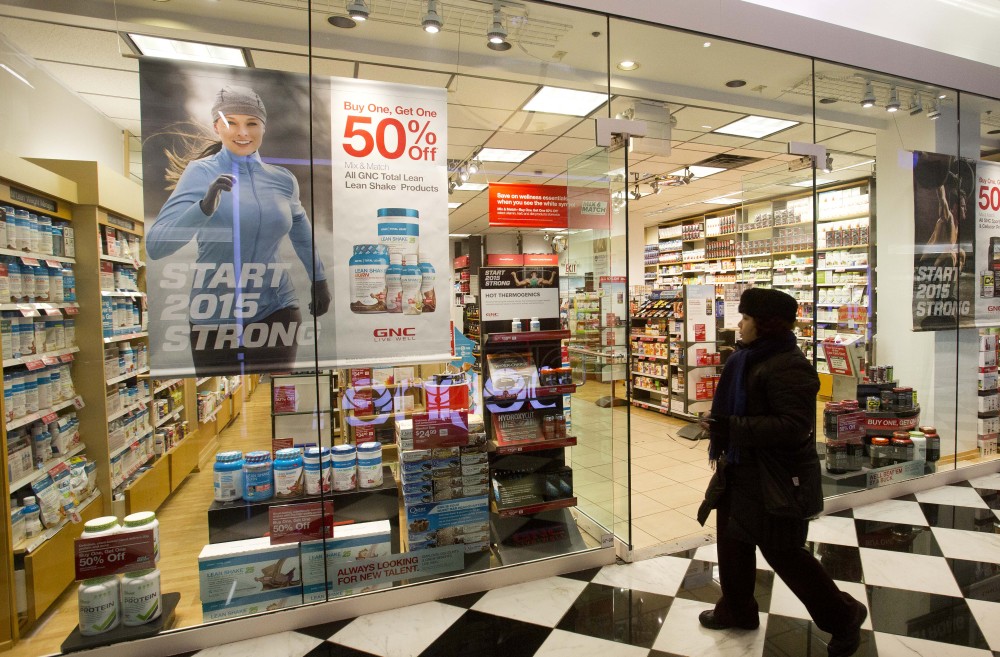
column 345, row 467
column 399, row 230
column 370, row 465
column 409, row 280
column 368, row 268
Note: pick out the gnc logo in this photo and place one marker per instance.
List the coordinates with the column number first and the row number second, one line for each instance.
column 399, row 333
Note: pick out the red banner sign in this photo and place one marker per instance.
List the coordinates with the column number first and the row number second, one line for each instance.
column 550, row 259
column 837, row 359
column 851, row 426
column 444, row 429
column 111, row 555
column 294, row 523
column 528, row 206
column 504, row 259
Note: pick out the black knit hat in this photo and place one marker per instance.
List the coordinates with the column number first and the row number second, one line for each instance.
column 238, row 100
column 760, row 302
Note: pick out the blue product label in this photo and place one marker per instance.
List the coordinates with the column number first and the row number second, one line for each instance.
column 370, row 462
column 339, row 465
column 408, row 228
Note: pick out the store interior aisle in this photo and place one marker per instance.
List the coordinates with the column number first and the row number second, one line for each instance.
column 183, row 533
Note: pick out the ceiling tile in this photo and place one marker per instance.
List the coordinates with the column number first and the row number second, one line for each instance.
column 728, row 141
column 481, row 118
column 571, row 145
column 696, row 118
column 548, row 159
column 87, row 79
column 300, row 64
column 851, row 141
column 48, row 42
column 403, row 75
column 543, row 124
column 584, row 129
column 514, row 140
column 113, row 106
column 482, row 92
column 467, row 136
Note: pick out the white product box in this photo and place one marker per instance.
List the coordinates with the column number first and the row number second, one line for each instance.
column 988, row 380
column 243, row 568
column 364, row 540
column 988, row 358
column 253, row 604
column 987, row 342
column 989, row 403
column 987, row 446
column 988, row 425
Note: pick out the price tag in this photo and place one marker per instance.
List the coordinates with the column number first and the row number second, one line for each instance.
column 34, row 365
column 440, row 429
column 50, row 360
column 28, row 310
column 136, row 263
column 30, row 261
column 72, row 310
column 294, row 523
column 53, row 312
column 50, row 418
column 111, row 555
column 78, row 402
column 66, row 358
column 54, row 263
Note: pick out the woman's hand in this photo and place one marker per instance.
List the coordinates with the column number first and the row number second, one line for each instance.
column 210, row 203
column 321, row 298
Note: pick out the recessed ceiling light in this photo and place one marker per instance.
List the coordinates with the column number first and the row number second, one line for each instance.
column 504, row 155
column 828, row 100
column 697, row 171
column 706, row 44
column 628, row 65
column 188, row 51
column 723, row 200
column 344, row 22
column 736, row 83
column 470, row 187
column 458, row 235
column 557, row 100
column 755, row 126
column 453, row 204
column 809, row 183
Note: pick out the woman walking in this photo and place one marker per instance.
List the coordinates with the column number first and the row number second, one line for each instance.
column 767, row 475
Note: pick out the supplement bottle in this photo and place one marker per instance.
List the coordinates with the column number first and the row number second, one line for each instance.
column 370, row 465
column 289, row 475
column 933, row 443
column 409, row 280
column 368, row 268
column 99, row 604
column 345, row 468
column 142, row 521
column 140, row 597
column 393, row 284
column 228, row 472
column 318, row 468
column 535, row 325
column 258, row 481
column 399, row 230
column 32, row 519
column 427, row 279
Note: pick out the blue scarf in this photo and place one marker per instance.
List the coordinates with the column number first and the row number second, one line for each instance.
column 731, row 394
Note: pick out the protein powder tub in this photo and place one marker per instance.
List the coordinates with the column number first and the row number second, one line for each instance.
column 258, row 480
column 99, row 605
column 345, row 467
column 318, row 470
column 370, row 465
column 103, row 526
column 228, row 471
column 368, row 266
column 427, row 279
column 141, row 597
column 289, row 475
column 399, row 230
column 142, row 521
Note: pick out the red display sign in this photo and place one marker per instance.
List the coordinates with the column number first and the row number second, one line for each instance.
column 294, row 523
column 524, row 205
column 444, row 429
column 111, row 555
column 837, row 359
column 851, row 426
column 549, row 259
column 505, row 260
column 461, row 261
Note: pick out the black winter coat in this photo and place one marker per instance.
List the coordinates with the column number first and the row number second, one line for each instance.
column 780, row 418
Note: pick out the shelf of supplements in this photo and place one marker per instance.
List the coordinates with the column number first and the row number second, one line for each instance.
column 502, row 448
column 166, row 384
column 172, row 415
column 128, row 444
column 126, row 377
column 134, row 406
column 124, row 260
column 135, row 294
column 129, row 336
column 44, row 306
column 43, row 469
column 41, row 413
column 847, row 217
column 36, row 256
column 59, row 355
column 531, row 509
column 32, row 544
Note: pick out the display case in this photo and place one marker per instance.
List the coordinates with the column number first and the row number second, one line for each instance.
column 304, row 406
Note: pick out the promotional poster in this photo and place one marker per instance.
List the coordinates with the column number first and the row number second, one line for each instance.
column 519, row 293
column 258, row 186
column 949, row 234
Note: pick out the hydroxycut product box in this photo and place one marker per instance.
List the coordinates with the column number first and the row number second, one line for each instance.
column 244, row 568
column 363, row 540
column 251, row 604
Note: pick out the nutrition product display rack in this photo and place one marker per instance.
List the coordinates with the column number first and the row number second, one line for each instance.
column 988, row 401
column 585, row 330
column 304, row 405
column 657, row 352
column 824, row 260
column 463, row 280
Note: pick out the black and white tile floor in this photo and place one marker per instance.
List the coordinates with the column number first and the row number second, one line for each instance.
column 927, row 565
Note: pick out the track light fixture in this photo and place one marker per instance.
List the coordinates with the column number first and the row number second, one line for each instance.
column 868, row 100
column 451, row 186
column 893, row 104
column 636, row 194
column 916, row 106
column 655, row 186
column 432, row 21
column 474, row 165
column 497, row 34
column 358, row 10
column 828, row 166
column 463, row 174
column 935, row 112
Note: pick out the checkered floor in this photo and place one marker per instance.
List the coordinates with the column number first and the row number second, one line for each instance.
column 927, row 565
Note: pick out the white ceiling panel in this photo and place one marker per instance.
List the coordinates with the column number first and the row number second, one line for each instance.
column 541, row 123
column 300, row 64
column 48, row 42
column 698, row 151
column 480, row 118
column 851, row 141
column 113, row 106
column 696, row 118
column 571, row 145
column 87, row 79
column 586, row 129
column 403, row 75
column 771, row 146
column 467, row 136
column 518, row 141
column 548, row 159
column 134, row 126
column 482, row 92
column 726, row 141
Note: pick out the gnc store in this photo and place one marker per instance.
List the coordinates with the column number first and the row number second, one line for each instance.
column 344, row 307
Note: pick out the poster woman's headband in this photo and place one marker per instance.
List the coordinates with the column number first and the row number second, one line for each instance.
column 238, row 100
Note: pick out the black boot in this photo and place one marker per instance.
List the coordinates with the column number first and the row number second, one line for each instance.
column 716, row 620
column 844, row 644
